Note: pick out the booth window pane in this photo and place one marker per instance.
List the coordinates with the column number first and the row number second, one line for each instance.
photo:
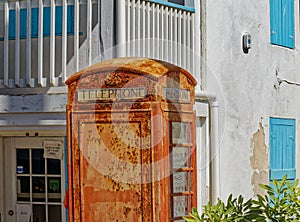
column 180, row 206
column 181, row 163
column 179, row 157
column 179, row 133
column 180, row 182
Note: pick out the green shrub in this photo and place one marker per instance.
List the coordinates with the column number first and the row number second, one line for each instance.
column 281, row 203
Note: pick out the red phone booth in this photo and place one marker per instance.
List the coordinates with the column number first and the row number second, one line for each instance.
column 131, row 142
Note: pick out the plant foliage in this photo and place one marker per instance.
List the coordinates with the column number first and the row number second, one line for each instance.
column 281, row 203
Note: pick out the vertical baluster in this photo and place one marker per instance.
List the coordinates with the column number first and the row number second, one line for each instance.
column 153, row 31
column 89, row 31
column 17, row 45
column 188, row 42
column 133, row 28
column 76, row 34
column 28, row 45
column 171, row 36
column 40, row 43
column 52, row 43
column 162, row 35
column 64, row 41
column 6, row 36
column 128, row 24
column 156, row 46
column 184, row 35
column 144, row 29
column 148, row 10
column 166, row 37
column 179, row 32
column 175, row 61
column 138, row 25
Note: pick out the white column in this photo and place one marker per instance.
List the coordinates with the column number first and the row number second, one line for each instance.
column 215, row 152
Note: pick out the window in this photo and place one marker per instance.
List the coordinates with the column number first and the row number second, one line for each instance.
column 282, row 23
column 182, row 167
column 46, row 22
column 282, row 148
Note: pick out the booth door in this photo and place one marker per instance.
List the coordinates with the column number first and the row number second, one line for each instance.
column 34, row 186
column 114, row 169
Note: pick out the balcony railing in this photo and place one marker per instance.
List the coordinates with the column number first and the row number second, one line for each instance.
column 44, row 54
column 162, row 31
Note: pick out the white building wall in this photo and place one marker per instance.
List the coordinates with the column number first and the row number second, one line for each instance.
column 247, row 88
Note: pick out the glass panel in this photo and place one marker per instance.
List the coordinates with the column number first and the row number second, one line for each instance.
column 39, row 213
column 54, row 213
column 53, row 166
column 38, row 161
column 54, row 189
column 179, row 133
column 22, row 161
column 23, row 188
column 180, row 157
column 180, row 182
column 180, row 206
column 38, row 188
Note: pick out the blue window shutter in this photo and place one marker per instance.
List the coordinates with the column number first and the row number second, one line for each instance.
column 288, row 23
column 282, row 148
column 275, row 20
column 12, row 24
column 23, row 23
column 70, row 19
column 282, row 23
column 58, row 20
column 34, row 22
column 46, row 22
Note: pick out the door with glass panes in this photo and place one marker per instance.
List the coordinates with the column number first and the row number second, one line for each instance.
column 34, row 184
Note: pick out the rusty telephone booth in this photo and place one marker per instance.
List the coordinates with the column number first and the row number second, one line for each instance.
column 131, row 142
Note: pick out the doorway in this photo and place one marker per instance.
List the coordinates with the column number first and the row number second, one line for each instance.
column 34, row 185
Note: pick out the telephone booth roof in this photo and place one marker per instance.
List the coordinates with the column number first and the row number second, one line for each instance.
column 151, row 67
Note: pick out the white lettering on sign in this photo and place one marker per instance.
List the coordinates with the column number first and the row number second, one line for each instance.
column 111, row 93
column 175, row 94
column 53, row 149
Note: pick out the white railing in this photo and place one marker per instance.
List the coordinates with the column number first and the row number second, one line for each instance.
column 148, row 29
column 161, row 31
column 45, row 59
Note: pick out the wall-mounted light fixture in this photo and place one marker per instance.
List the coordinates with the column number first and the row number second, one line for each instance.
column 246, row 41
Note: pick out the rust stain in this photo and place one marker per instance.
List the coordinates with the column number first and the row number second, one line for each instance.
column 259, row 161
column 111, row 141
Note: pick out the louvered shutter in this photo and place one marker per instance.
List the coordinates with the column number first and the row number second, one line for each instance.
column 282, row 148
column 282, row 23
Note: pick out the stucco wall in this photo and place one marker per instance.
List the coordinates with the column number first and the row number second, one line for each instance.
column 245, row 85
